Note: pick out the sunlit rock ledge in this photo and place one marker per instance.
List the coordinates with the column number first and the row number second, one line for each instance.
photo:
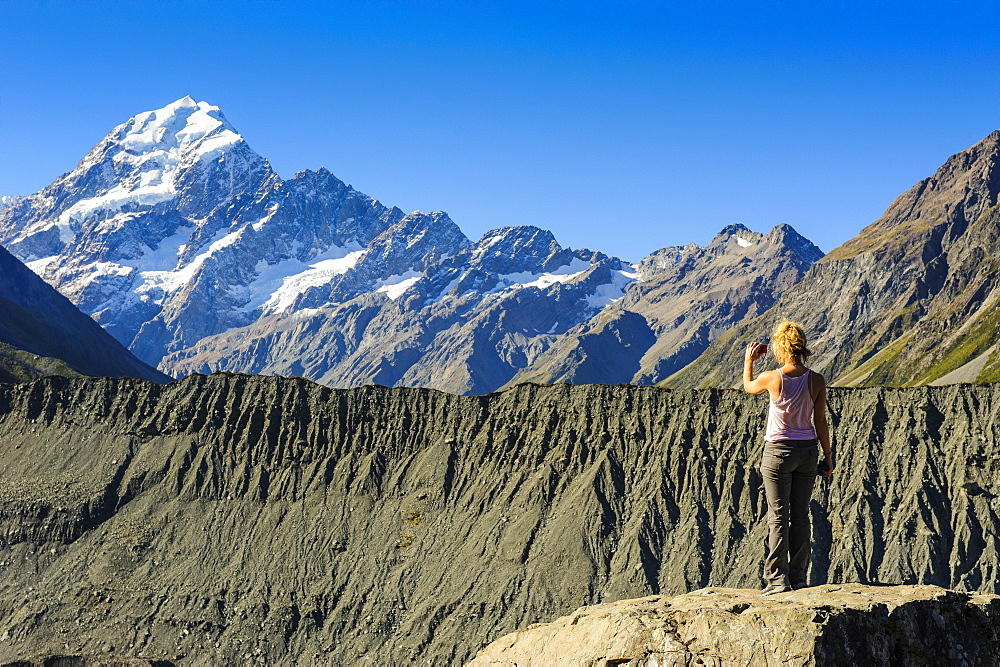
column 833, row 624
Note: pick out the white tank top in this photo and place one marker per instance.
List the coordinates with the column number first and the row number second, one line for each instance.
column 790, row 417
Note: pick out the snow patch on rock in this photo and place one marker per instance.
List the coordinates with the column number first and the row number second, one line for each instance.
column 563, row 274
column 394, row 286
column 278, row 285
column 606, row 294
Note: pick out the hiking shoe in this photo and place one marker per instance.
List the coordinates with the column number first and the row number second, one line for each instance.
column 771, row 589
column 799, row 584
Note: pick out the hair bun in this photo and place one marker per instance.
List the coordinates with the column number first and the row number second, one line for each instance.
column 789, row 341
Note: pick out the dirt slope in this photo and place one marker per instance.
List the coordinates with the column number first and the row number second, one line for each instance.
column 233, row 519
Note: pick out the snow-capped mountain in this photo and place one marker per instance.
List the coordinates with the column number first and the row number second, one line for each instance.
column 172, row 229
column 187, row 247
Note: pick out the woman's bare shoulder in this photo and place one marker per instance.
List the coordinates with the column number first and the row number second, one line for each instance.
column 771, row 376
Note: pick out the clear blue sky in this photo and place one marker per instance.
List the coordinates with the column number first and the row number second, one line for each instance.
column 621, row 126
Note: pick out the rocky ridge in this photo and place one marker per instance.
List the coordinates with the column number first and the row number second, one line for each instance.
column 834, row 624
column 146, row 520
column 42, row 333
column 466, row 324
column 688, row 297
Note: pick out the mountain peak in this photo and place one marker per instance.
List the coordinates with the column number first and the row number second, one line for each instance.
column 736, row 232
column 179, row 125
column 185, row 155
column 522, row 241
column 186, row 102
column 733, row 229
column 963, row 189
column 520, row 237
column 788, row 237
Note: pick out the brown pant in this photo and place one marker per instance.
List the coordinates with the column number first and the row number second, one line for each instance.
column 789, row 474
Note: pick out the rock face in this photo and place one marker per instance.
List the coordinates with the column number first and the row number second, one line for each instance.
column 913, row 299
column 186, row 246
column 231, row 519
column 41, row 333
column 849, row 624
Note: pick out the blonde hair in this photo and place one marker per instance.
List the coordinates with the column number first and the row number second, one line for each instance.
column 789, row 342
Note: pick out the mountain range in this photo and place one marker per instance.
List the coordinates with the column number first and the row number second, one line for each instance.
column 187, row 247
column 913, row 299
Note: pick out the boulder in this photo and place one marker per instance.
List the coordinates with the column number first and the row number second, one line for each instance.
column 833, row 624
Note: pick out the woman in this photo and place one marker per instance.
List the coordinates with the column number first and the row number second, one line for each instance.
column 796, row 419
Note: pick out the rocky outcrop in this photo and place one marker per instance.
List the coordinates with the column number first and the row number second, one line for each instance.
column 849, row 624
column 232, row 519
column 913, row 299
